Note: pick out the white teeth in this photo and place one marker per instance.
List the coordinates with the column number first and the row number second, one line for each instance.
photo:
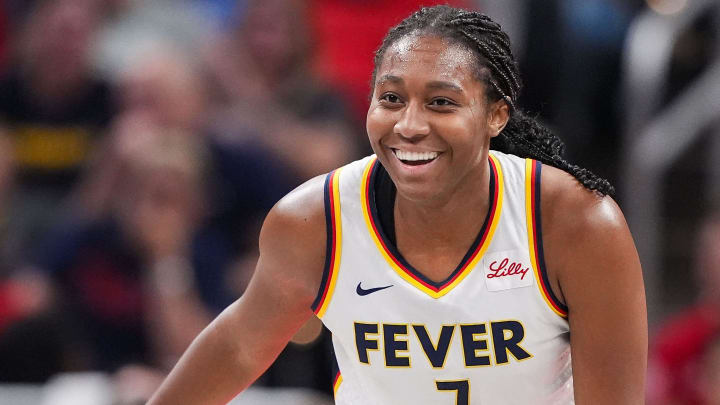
column 414, row 156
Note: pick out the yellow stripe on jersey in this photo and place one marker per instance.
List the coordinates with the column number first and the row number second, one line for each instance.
column 337, row 243
column 336, row 385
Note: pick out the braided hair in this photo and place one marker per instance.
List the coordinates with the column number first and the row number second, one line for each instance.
column 522, row 136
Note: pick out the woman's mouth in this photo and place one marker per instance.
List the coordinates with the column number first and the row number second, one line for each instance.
column 415, row 158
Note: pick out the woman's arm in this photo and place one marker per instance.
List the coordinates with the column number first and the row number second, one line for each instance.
column 242, row 342
column 595, row 268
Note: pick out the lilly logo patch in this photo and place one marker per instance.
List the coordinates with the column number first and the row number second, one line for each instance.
column 506, row 270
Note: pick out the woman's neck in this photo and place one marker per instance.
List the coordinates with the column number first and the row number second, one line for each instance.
column 449, row 221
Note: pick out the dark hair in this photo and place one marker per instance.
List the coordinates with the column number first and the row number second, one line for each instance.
column 496, row 67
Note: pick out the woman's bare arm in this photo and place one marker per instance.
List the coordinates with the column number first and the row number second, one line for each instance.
column 242, row 342
column 595, row 268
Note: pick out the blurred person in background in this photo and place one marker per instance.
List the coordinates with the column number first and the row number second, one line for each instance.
column 165, row 92
column 681, row 342
column 156, row 54
column 162, row 99
column 54, row 107
column 268, row 95
column 138, row 282
column 263, row 81
column 158, row 93
column 269, row 100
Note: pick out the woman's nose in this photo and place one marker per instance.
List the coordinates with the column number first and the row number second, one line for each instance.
column 413, row 123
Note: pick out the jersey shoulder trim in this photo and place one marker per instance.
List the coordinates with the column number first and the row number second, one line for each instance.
column 336, row 383
column 533, row 169
column 333, row 228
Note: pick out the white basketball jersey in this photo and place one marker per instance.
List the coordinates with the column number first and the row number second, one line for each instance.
column 491, row 333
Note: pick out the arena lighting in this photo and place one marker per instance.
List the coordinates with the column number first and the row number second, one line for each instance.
column 667, row 7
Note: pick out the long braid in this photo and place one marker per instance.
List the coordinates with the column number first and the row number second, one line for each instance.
column 523, row 135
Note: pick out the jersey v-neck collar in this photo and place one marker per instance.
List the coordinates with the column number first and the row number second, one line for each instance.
column 398, row 263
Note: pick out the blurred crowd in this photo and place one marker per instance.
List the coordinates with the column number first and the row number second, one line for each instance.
column 143, row 142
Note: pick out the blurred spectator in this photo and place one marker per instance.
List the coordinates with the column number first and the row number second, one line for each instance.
column 164, row 90
column 138, row 283
column 54, row 107
column 53, row 104
column 268, row 98
column 675, row 361
column 262, row 78
column 159, row 95
column 158, row 240
column 167, row 87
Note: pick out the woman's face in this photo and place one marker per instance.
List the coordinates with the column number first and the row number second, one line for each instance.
column 429, row 122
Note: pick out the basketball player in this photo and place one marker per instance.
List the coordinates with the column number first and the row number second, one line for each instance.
column 464, row 263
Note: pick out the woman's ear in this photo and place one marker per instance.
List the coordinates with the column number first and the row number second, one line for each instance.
column 498, row 116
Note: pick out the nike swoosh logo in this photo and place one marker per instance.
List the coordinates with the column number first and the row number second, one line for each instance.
column 361, row 291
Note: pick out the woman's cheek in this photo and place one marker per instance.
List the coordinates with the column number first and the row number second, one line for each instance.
column 378, row 123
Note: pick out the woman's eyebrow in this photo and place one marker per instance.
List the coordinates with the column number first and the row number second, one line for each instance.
column 442, row 85
column 433, row 85
column 390, row 78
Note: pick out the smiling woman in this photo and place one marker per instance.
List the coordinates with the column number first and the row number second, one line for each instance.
column 466, row 219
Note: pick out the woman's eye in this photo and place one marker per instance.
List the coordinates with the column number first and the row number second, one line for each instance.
column 390, row 98
column 441, row 102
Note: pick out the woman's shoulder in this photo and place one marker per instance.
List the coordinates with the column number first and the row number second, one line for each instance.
column 571, row 208
column 292, row 242
column 303, row 209
column 301, row 212
column 587, row 242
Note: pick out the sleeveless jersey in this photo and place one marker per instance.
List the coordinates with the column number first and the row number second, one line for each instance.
column 491, row 333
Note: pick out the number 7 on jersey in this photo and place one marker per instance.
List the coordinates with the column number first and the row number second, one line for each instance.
column 461, row 386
